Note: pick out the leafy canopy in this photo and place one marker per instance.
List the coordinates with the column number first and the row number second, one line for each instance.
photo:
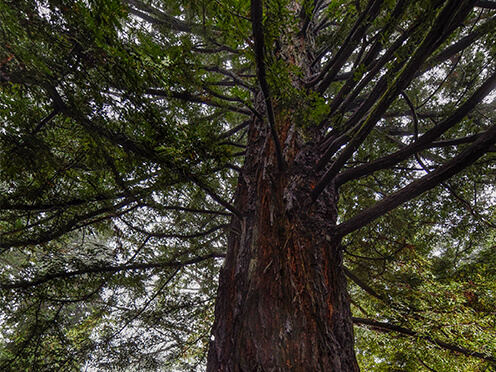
column 123, row 130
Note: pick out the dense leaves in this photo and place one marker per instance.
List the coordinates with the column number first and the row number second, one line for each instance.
column 123, row 129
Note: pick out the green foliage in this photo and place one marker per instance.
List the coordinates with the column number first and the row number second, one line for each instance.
column 122, row 131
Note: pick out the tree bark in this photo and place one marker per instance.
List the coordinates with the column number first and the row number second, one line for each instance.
column 282, row 303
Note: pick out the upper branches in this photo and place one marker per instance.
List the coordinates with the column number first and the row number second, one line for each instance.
column 425, row 140
column 258, row 35
column 354, row 131
column 356, row 34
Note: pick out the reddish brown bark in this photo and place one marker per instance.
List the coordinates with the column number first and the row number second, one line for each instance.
column 282, row 303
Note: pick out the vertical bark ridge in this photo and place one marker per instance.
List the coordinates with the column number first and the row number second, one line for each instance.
column 283, row 304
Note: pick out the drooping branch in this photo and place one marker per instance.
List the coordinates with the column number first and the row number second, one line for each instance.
column 161, row 235
column 188, row 97
column 388, row 327
column 418, row 187
column 75, row 223
column 24, row 284
column 16, row 206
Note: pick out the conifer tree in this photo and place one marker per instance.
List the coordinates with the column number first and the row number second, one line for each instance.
column 234, row 185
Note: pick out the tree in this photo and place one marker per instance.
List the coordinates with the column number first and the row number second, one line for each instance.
column 336, row 158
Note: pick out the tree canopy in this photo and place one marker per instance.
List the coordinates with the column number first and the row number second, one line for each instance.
column 124, row 133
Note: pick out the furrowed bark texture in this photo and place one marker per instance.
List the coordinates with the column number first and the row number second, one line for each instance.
column 282, row 303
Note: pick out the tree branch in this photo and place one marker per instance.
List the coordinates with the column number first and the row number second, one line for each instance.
column 216, row 197
column 257, row 15
column 365, row 287
column 416, row 188
column 177, row 236
column 24, row 284
column 45, row 120
column 6, row 205
column 460, row 45
column 352, row 39
column 188, row 97
column 144, row 307
column 236, row 129
column 236, row 79
column 160, row 207
column 486, row 4
column 425, row 140
column 71, row 225
column 388, row 327
column 446, row 22
column 137, row 8
column 365, row 104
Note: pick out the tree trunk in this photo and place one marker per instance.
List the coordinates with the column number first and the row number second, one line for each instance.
column 282, row 303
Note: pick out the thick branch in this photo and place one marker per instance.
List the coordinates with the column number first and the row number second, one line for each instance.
column 236, row 129
column 45, row 120
column 365, row 105
column 424, row 141
column 156, row 16
column 352, row 39
column 454, row 142
column 487, row 4
column 447, row 20
column 374, row 70
column 387, row 327
column 416, row 188
column 460, row 45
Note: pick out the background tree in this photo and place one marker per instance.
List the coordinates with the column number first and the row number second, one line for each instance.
column 334, row 153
